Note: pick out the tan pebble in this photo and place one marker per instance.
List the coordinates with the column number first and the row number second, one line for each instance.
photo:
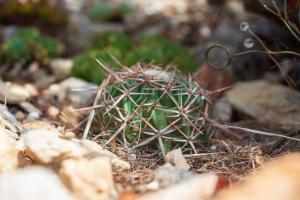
column 53, row 111
column 31, row 89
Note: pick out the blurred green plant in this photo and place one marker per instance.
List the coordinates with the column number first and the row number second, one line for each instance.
column 115, row 40
column 106, row 12
column 29, row 44
column 161, row 51
column 128, row 51
column 85, row 66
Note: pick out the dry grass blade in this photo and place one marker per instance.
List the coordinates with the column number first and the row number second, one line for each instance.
column 258, row 132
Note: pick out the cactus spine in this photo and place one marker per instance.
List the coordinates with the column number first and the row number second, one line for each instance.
column 147, row 105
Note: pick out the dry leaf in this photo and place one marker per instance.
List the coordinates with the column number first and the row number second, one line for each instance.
column 213, row 80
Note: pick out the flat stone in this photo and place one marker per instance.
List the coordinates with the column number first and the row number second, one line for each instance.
column 34, row 183
column 118, row 164
column 89, row 179
column 13, row 93
column 51, row 147
column 265, row 101
column 66, row 91
column 46, row 147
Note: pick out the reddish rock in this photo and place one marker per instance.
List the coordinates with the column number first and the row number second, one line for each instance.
column 213, row 80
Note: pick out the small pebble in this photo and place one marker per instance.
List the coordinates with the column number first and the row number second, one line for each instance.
column 20, row 116
column 31, row 89
column 213, row 147
column 53, row 111
column 33, row 116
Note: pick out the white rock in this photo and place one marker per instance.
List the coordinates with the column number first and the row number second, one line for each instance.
column 13, row 93
column 89, row 179
column 66, row 91
column 47, row 147
column 9, row 121
column 118, row 165
column 176, row 158
column 31, row 89
column 52, row 111
column 32, row 183
column 8, row 153
column 167, row 175
column 200, row 187
column 9, row 133
column 61, row 67
column 37, row 124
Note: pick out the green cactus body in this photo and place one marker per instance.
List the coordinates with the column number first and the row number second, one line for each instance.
column 151, row 107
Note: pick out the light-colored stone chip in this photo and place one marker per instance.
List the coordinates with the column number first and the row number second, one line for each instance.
column 89, row 179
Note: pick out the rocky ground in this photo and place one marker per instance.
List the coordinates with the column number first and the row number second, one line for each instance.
column 255, row 110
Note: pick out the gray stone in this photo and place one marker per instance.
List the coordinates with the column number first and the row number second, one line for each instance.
column 33, row 112
column 167, row 175
column 266, row 102
column 79, row 32
column 222, row 110
column 66, row 91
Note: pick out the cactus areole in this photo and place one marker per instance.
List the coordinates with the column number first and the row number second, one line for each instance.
column 153, row 107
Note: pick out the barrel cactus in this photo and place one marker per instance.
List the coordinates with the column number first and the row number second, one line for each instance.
column 152, row 107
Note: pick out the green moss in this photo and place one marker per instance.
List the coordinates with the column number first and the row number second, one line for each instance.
column 46, row 47
column 106, row 12
column 158, row 50
column 115, row 40
column 29, row 45
column 86, row 67
column 29, row 34
column 129, row 51
column 16, row 49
